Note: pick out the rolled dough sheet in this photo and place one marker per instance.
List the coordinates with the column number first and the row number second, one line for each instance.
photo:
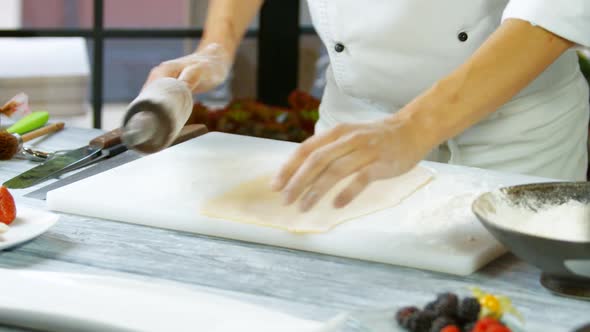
column 253, row 202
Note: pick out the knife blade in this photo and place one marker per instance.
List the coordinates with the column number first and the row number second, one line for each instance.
column 70, row 159
column 104, row 154
column 115, row 158
column 99, row 167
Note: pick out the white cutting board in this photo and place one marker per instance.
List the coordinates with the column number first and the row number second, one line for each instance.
column 166, row 190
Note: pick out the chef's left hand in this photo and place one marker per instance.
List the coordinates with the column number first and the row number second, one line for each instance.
column 374, row 151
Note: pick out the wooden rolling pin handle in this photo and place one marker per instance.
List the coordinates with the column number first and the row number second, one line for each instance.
column 109, row 139
column 189, row 132
column 43, row 131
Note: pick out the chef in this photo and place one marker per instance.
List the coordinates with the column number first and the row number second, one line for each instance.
column 485, row 83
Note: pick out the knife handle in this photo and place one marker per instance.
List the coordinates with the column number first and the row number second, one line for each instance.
column 109, row 139
column 189, row 132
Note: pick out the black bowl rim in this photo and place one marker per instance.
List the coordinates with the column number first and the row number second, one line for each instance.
column 489, row 223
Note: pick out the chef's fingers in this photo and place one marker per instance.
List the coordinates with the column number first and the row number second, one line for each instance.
column 336, row 172
column 361, row 181
column 166, row 69
column 303, row 151
column 320, row 159
column 193, row 76
column 204, row 75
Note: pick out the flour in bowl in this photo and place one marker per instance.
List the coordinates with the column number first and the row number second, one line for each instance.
column 569, row 221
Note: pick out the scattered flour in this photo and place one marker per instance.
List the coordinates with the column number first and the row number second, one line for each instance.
column 444, row 217
column 569, row 221
column 444, row 213
column 449, row 224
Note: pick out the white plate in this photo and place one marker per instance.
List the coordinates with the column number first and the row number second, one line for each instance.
column 28, row 225
column 64, row 302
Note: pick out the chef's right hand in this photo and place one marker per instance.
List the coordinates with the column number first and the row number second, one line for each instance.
column 203, row 70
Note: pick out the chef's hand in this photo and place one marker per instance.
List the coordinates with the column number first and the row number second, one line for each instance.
column 202, row 71
column 372, row 151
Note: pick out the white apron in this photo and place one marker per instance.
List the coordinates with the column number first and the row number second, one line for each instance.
column 384, row 53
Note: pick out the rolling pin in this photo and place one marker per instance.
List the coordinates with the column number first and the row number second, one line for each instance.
column 154, row 119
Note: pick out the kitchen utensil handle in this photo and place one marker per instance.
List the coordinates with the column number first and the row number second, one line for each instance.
column 105, row 153
column 109, row 139
column 54, row 127
column 189, row 132
column 30, row 122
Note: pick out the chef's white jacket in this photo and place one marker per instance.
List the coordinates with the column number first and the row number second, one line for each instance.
column 384, row 53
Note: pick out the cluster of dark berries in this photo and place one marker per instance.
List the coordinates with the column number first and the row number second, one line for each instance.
column 445, row 314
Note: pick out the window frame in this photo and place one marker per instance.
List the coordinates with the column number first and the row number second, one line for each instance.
column 278, row 48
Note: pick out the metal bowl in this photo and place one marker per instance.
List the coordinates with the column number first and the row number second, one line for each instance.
column 565, row 264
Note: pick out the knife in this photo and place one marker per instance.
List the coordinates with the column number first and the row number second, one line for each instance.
column 186, row 133
column 115, row 159
column 69, row 159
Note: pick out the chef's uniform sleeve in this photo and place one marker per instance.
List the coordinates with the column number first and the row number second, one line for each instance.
column 569, row 19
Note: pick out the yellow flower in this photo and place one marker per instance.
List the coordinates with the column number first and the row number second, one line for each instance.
column 491, row 303
column 494, row 306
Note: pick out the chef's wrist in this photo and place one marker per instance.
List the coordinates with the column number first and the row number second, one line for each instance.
column 437, row 114
column 216, row 49
column 414, row 131
column 222, row 34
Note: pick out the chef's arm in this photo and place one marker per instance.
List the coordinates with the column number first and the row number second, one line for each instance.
column 514, row 55
column 227, row 21
column 209, row 65
column 507, row 62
